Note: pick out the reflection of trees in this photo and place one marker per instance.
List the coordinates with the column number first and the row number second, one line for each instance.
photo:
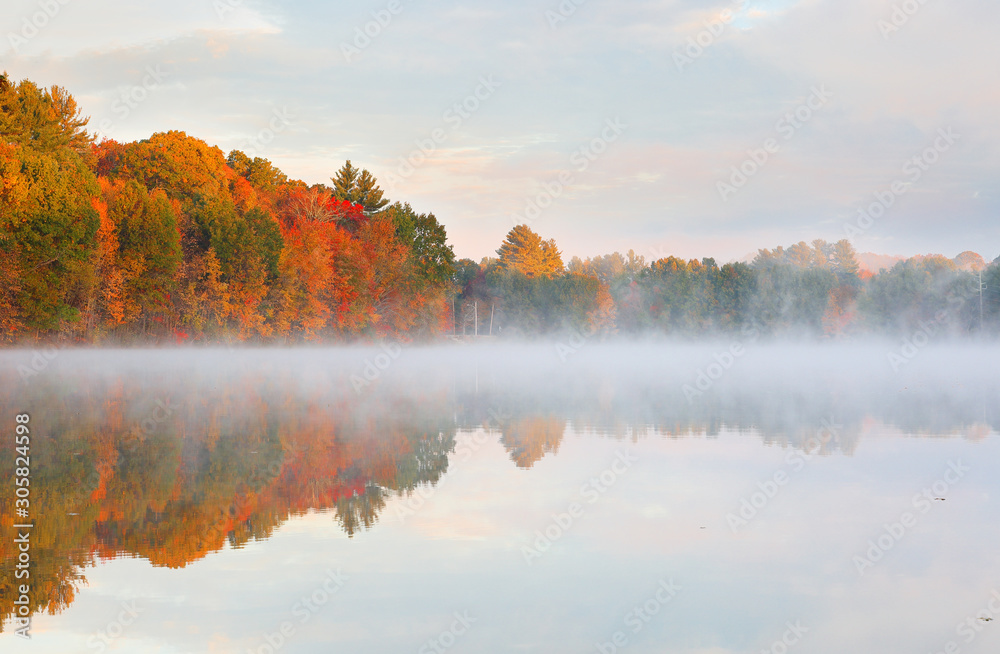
column 222, row 468
column 234, row 460
column 360, row 511
column 428, row 463
column 529, row 439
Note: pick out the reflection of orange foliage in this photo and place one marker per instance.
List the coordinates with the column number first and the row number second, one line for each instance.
column 840, row 311
column 529, row 439
column 172, row 490
column 977, row 432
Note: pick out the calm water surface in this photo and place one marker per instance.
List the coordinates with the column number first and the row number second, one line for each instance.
column 507, row 499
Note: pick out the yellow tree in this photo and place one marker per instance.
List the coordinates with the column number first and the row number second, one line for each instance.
column 524, row 251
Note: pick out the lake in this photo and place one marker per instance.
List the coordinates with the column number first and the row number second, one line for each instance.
column 706, row 498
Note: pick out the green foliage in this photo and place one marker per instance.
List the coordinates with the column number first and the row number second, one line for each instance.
column 845, row 262
column 245, row 244
column 136, row 239
column 359, row 188
column 991, row 296
column 682, row 293
column 47, row 218
column 542, row 305
column 428, row 243
column 610, row 268
column 261, row 173
column 466, row 272
column 919, row 289
column 45, row 121
column 790, row 298
column 735, row 290
column 148, row 240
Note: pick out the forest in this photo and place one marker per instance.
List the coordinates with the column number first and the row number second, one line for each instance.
column 170, row 240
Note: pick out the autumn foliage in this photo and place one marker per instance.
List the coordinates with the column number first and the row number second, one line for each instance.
column 167, row 239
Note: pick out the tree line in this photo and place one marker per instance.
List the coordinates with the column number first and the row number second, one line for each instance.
column 805, row 290
column 169, row 239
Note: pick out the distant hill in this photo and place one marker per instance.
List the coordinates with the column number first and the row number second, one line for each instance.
column 871, row 262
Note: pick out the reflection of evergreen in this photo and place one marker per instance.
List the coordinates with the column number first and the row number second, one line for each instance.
column 428, row 462
column 225, row 469
column 360, row 511
column 234, row 461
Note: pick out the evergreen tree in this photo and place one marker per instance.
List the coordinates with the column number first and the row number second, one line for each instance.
column 369, row 194
column 845, row 261
column 344, row 182
column 359, row 187
column 427, row 240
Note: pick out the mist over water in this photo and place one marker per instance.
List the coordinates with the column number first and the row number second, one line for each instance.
column 542, row 492
column 665, row 387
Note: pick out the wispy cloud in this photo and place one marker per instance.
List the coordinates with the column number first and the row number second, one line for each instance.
column 228, row 73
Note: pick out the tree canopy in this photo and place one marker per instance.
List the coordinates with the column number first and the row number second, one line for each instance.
column 524, row 251
column 350, row 185
column 167, row 239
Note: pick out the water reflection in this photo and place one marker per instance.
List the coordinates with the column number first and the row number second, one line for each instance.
column 171, row 456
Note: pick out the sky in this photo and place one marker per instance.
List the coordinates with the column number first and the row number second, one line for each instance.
column 691, row 128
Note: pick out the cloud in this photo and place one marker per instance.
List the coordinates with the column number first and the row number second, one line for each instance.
column 66, row 28
column 687, row 128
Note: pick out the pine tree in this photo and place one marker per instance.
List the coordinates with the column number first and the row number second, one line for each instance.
column 368, row 193
column 845, row 261
column 345, row 182
column 359, row 187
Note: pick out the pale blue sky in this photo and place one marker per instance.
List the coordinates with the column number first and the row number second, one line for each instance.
column 226, row 67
